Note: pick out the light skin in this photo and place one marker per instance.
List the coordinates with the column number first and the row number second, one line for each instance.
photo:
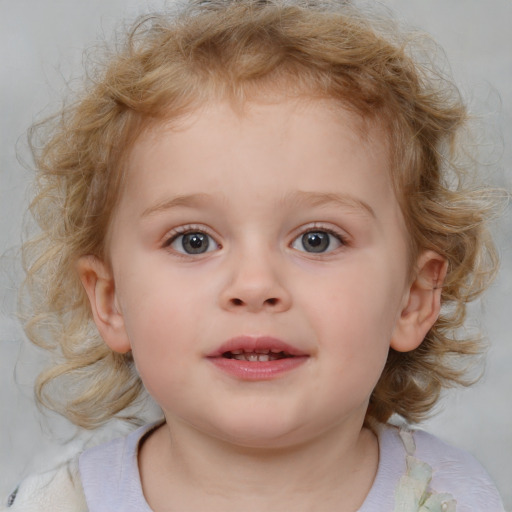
column 304, row 242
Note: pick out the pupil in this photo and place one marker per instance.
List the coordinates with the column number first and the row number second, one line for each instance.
column 316, row 241
column 195, row 243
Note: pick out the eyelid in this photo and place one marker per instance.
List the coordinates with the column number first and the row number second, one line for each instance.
column 341, row 235
column 171, row 236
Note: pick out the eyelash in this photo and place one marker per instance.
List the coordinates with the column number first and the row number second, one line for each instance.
column 182, row 231
column 316, row 228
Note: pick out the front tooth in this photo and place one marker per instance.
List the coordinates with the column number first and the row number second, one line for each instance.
column 262, row 351
column 253, row 357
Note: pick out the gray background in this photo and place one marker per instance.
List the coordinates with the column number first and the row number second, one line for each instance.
column 41, row 48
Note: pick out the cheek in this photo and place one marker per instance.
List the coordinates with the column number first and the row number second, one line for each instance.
column 165, row 315
column 359, row 306
column 154, row 297
column 161, row 357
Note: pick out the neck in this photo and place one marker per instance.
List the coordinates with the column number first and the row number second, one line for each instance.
column 182, row 466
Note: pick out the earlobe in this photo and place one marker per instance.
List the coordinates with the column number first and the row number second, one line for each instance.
column 422, row 303
column 98, row 282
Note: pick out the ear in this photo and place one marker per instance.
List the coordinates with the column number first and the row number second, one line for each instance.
column 98, row 281
column 422, row 303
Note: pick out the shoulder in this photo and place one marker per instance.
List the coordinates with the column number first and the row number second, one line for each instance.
column 456, row 471
column 106, row 464
column 63, row 488
column 444, row 469
column 58, row 490
column 446, row 457
column 110, row 475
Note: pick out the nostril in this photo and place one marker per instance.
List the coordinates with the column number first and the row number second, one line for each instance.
column 273, row 301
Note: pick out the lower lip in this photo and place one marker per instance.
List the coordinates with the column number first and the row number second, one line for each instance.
column 258, row 370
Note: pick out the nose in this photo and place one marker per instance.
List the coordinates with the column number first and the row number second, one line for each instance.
column 255, row 284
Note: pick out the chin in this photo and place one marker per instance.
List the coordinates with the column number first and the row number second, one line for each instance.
column 261, row 433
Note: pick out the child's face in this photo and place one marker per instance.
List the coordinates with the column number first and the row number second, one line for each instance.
column 276, row 229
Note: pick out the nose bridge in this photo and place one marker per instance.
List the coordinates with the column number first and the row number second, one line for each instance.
column 256, row 280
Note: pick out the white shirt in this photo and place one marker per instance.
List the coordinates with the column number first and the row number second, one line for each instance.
column 416, row 473
column 111, row 480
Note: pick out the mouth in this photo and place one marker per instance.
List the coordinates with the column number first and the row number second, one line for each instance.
column 260, row 356
column 257, row 358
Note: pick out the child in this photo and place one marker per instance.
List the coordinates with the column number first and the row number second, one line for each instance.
column 255, row 213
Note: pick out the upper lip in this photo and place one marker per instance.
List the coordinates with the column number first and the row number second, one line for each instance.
column 256, row 344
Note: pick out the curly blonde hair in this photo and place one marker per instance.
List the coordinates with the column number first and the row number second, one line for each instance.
column 239, row 49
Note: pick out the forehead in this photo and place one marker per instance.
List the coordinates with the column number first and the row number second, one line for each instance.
column 264, row 152
column 224, row 128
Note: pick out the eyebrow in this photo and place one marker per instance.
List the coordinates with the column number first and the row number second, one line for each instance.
column 330, row 199
column 187, row 201
column 300, row 198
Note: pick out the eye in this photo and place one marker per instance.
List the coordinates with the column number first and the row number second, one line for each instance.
column 317, row 241
column 193, row 242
